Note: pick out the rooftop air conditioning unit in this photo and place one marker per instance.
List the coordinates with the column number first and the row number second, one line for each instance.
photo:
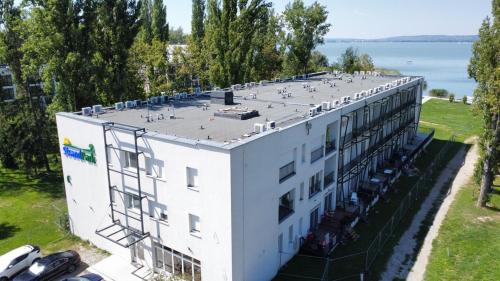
column 138, row 103
column 356, row 73
column 357, row 96
column 336, row 103
column 97, row 109
column 363, row 94
column 326, row 105
column 362, row 73
column 129, row 104
column 86, row 111
column 368, row 73
column 345, row 99
column 264, row 82
column 387, row 86
column 236, row 87
column 119, row 106
column 270, row 125
column 259, row 128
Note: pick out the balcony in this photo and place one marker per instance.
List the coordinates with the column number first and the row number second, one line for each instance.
column 330, row 147
column 329, row 178
column 286, row 206
column 317, row 154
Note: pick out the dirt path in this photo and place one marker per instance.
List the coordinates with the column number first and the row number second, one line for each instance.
column 463, row 176
column 400, row 263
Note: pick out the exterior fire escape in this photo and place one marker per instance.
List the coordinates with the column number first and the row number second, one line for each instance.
column 120, row 231
column 396, row 112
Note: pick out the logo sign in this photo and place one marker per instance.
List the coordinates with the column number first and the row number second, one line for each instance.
column 84, row 154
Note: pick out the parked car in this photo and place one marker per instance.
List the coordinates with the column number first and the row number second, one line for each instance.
column 50, row 267
column 86, row 277
column 17, row 260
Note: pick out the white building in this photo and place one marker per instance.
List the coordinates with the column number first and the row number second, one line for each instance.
column 223, row 186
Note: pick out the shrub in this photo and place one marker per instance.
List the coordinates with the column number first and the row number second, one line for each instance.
column 451, row 97
column 440, row 93
column 464, row 99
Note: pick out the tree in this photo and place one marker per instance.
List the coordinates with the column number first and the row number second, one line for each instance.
column 159, row 25
column 439, row 93
column 197, row 21
column 307, row 28
column 177, row 36
column 145, row 31
column 318, row 61
column 366, row 63
column 113, row 35
column 349, row 60
column 484, row 67
column 229, row 35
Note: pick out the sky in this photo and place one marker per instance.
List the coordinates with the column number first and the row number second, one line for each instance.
column 369, row 19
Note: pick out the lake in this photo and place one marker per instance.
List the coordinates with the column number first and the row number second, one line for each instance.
column 443, row 64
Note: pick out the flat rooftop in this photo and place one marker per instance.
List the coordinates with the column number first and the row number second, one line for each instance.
column 286, row 103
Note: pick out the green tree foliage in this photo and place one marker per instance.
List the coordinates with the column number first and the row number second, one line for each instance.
column 318, row 61
column 159, row 25
column 25, row 129
column 177, row 36
column 484, row 67
column 197, row 21
column 145, row 30
column 351, row 61
column 439, row 93
column 464, row 99
column 307, row 28
column 149, row 62
column 113, row 35
column 451, row 97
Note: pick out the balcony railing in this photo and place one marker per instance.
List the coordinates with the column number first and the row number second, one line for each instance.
column 317, row 154
column 330, row 147
column 329, row 178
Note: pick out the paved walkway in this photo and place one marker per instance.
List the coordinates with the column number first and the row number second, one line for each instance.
column 401, row 263
column 116, row 268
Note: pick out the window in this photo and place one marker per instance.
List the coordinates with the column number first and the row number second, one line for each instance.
column 154, row 167
column 316, row 154
column 130, row 160
column 176, row 263
column 290, row 233
column 314, row 184
column 301, row 191
column 133, row 201
column 158, row 211
column 301, row 221
column 303, row 153
column 194, row 224
column 287, row 171
column 286, row 207
column 192, row 177
column 280, row 243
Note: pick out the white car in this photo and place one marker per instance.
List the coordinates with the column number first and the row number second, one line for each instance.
column 17, row 260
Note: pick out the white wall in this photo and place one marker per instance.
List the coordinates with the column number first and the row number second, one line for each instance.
column 88, row 198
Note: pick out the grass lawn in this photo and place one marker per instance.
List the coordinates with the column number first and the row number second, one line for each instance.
column 468, row 243
column 30, row 209
column 447, row 118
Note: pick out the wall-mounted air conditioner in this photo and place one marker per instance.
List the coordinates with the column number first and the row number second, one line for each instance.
column 259, row 128
column 86, row 111
column 270, row 125
column 119, row 106
column 326, row 105
column 97, row 109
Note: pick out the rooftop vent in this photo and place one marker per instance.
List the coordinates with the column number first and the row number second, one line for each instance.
column 240, row 113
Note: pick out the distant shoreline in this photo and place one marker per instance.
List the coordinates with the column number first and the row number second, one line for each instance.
column 410, row 39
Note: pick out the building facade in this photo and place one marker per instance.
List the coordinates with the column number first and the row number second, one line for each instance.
column 228, row 188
